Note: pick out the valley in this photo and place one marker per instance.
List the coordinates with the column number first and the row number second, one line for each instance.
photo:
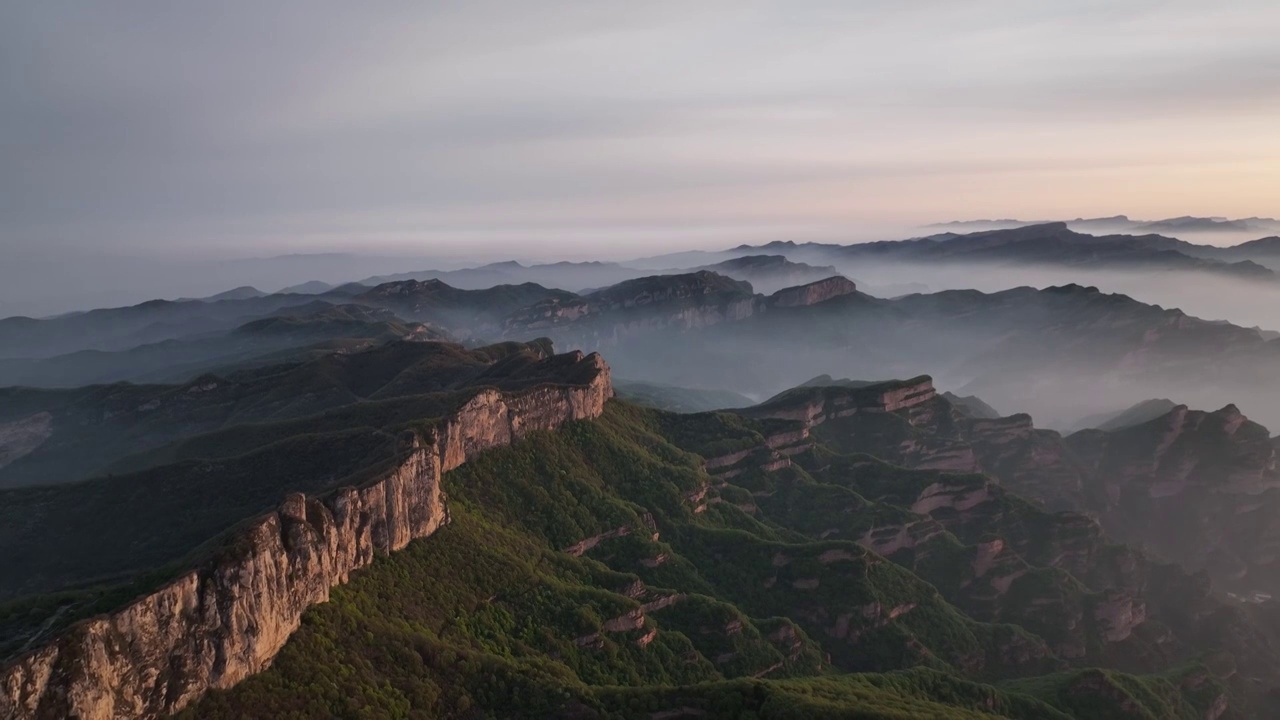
column 640, row 361
column 844, row 544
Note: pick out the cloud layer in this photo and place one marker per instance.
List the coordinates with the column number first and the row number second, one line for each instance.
column 237, row 128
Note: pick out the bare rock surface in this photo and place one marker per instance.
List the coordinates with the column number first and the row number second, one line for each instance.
column 226, row 620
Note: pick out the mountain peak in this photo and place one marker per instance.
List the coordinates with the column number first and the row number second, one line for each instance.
column 1051, row 226
column 700, row 282
column 1073, row 289
column 1229, row 411
column 407, row 287
column 1271, row 243
column 240, row 293
column 781, row 244
column 814, row 292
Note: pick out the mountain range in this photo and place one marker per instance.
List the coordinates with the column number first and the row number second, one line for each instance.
column 1047, row 244
column 487, row 533
column 767, row 272
column 1022, row 349
column 780, row 496
column 297, row 331
column 1186, row 224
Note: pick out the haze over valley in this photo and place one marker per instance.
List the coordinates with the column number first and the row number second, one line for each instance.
column 657, row 361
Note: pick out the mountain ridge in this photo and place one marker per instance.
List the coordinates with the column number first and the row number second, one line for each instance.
column 1124, row 222
column 773, row 462
column 749, row 542
column 213, row 627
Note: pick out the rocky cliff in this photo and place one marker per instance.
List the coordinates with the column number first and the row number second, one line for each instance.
column 1201, row 489
column 681, row 302
column 987, row 551
column 814, row 404
column 1198, row 487
column 467, row 313
column 684, row 302
column 813, row 293
column 226, row 620
column 770, row 273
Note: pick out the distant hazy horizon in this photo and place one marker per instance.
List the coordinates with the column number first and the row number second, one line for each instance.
column 566, row 130
column 41, row 284
column 40, row 281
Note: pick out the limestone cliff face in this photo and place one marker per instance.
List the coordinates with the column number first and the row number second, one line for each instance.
column 1222, row 451
column 690, row 301
column 909, row 424
column 1035, row 462
column 680, row 302
column 1000, row 559
column 1197, row 487
column 772, row 454
column 816, row 405
column 220, row 623
column 880, row 419
column 813, row 293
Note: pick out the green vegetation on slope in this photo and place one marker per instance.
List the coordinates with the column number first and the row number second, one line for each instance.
column 95, row 428
column 598, row 572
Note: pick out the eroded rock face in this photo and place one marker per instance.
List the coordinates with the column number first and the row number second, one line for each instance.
column 813, row 293
column 912, row 426
column 775, row 453
column 1198, row 487
column 684, row 302
column 226, row 620
column 815, row 405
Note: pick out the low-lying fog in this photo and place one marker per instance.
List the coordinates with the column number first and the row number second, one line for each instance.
column 1056, row 396
column 1057, row 392
column 1201, row 294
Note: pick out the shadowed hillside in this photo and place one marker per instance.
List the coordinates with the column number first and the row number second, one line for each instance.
column 836, row 547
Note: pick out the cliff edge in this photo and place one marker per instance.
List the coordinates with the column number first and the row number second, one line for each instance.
column 226, row 620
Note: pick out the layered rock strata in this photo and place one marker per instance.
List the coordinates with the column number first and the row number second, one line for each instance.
column 218, row 624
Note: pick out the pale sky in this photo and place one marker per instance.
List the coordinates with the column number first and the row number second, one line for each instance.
column 604, row 127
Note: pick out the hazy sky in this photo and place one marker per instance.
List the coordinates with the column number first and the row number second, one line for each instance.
column 591, row 127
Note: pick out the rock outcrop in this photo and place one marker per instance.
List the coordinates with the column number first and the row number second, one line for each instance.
column 226, row 620
column 682, row 302
column 1197, row 487
column 814, row 404
column 465, row 312
column 769, row 273
column 774, row 453
column 813, row 293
